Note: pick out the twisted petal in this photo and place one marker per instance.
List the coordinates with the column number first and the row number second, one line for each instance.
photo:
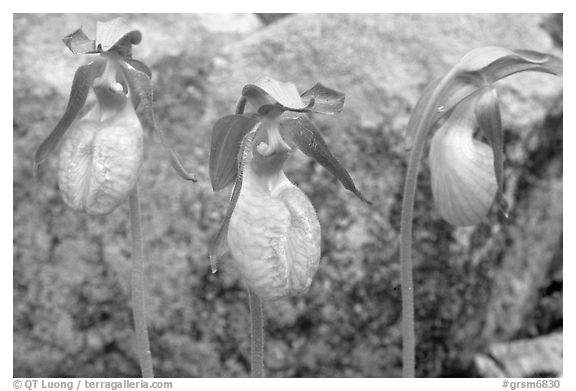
column 487, row 114
column 227, row 136
column 217, row 246
column 139, row 83
column 462, row 170
column 300, row 131
column 326, row 100
column 79, row 43
column 83, row 79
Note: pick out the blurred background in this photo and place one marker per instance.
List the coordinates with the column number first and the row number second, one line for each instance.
column 488, row 298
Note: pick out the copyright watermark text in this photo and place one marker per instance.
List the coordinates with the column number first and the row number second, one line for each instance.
column 531, row 384
column 89, row 384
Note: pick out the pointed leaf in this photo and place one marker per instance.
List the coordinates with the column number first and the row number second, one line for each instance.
column 83, row 80
column 79, row 43
column 267, row 91
column 118, row 35
column 326, row 100
column 218, row 244
column 300, row 131
column 140, row 84
column 227, row 136
column 489, row 121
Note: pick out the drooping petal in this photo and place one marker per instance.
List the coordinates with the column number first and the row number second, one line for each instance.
column 83, row 79
column 140, row 84
column 487, row 114
column 299, row 130
column 462, row 170
column 218, row 246
column 227, row 136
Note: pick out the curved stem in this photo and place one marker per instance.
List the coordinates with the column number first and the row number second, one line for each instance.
column 422, row 129
column 138, row 290
column 240, row 105
column 257, row 332
column 408, row 338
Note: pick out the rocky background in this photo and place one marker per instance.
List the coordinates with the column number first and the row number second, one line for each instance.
column 488, row 299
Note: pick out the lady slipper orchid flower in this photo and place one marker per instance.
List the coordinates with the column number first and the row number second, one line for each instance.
column 466, row 173
column 270, row 226
column 101, row 152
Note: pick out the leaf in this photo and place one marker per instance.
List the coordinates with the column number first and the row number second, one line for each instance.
column 300, row 131
column 83, row 80
column 140, row 84
column 218, row 245
column 325, row 100
column 267, row 91
column 118, row 35
column 79, row 43
column 227, row 136
column 489, row 121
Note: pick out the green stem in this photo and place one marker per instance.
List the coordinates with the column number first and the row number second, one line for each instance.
column 241, row 105
column 408, row 338
column 257, row 331
column 138, row 290
column 422, row 129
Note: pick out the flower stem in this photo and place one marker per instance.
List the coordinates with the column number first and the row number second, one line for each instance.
column 240, row 105
column 257, row 331
column 138, row 291
column 408, row 338
column 422, row 129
